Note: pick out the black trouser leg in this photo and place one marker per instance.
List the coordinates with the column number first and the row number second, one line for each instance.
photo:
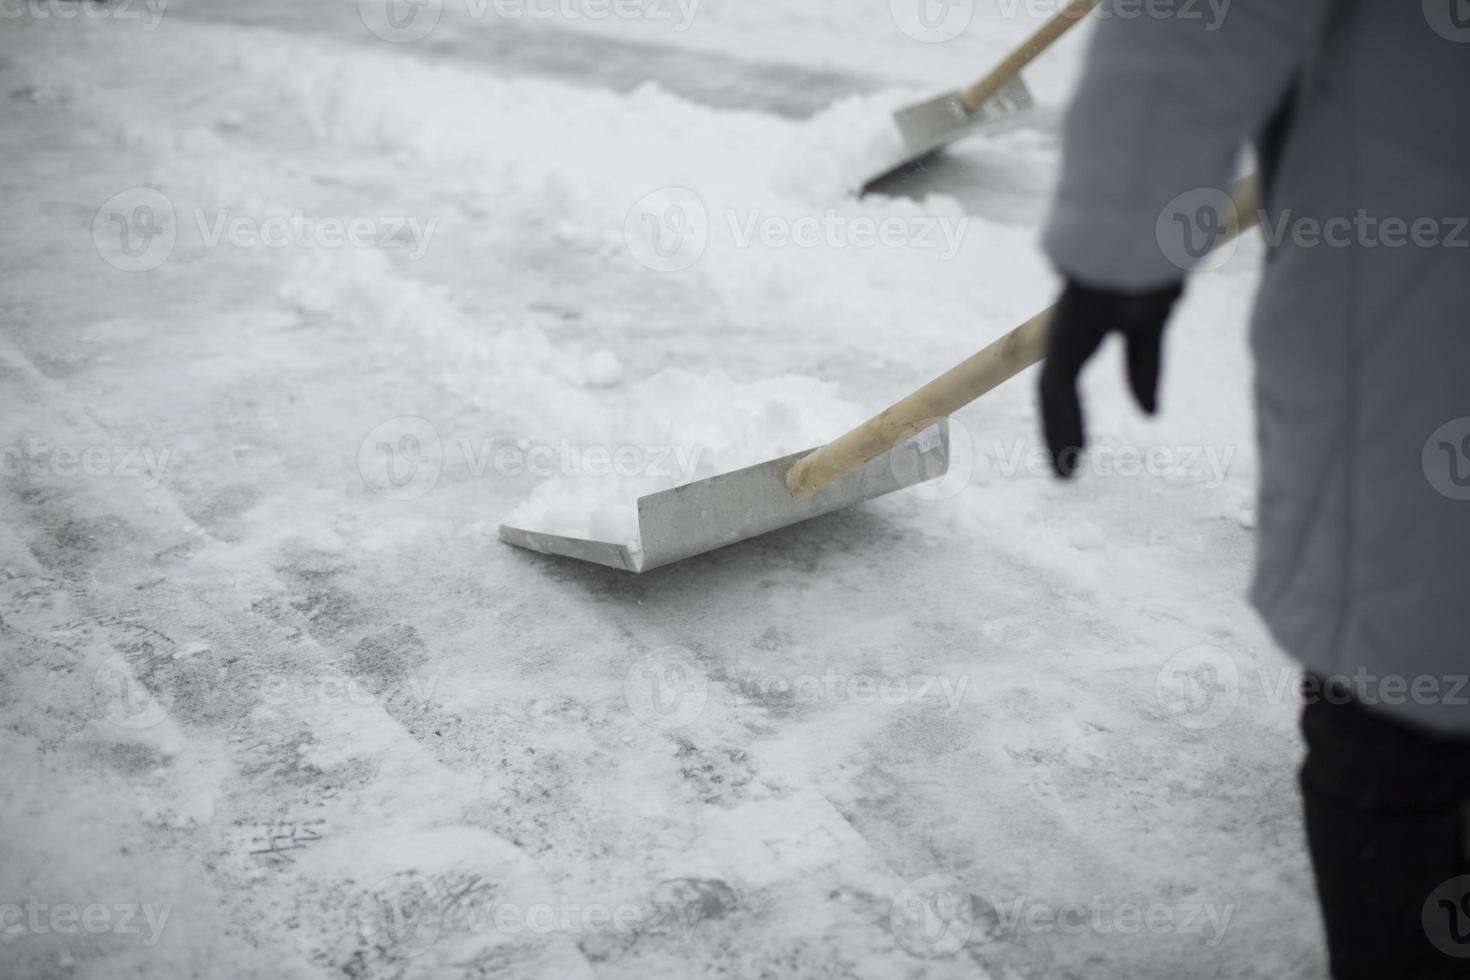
column 1384, row 817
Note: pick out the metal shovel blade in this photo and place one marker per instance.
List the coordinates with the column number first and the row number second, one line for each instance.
column 709, row 514
column 927, row 127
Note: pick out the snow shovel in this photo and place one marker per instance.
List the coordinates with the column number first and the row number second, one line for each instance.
column 905, row 444
column 926, row 127
column 709, row 514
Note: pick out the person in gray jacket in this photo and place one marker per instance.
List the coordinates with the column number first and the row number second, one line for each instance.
column 1356, row 111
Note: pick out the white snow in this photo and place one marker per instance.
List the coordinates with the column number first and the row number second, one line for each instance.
column 270, row 679
column 675, row 428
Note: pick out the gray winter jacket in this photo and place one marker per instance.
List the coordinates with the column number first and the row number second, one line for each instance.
column 1361, row 332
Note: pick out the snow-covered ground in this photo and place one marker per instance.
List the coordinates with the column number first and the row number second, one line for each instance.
column 276, row 701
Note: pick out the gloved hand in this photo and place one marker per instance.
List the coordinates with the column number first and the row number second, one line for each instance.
column 1082, row 318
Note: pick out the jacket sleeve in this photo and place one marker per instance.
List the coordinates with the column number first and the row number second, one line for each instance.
column 1164, row 107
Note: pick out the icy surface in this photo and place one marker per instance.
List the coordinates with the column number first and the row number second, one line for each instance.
column 270, row 678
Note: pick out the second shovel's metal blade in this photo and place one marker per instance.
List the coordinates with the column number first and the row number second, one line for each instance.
column 926, row 127
column 709, row 514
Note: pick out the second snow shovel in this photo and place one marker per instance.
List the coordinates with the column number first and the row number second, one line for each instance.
column 926, row 127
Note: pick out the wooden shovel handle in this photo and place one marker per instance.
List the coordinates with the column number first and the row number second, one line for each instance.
column 1067, row 18
column 960, row 385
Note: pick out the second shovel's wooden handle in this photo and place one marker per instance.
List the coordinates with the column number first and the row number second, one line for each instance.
column 963, row 383
column 1067, row 18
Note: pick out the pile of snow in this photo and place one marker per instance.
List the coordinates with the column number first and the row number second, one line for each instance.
column 675, row 428
column 839, row 149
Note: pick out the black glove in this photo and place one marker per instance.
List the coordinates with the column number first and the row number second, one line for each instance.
column 1082, row 318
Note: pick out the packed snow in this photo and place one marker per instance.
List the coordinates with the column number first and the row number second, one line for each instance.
column 276, row 701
